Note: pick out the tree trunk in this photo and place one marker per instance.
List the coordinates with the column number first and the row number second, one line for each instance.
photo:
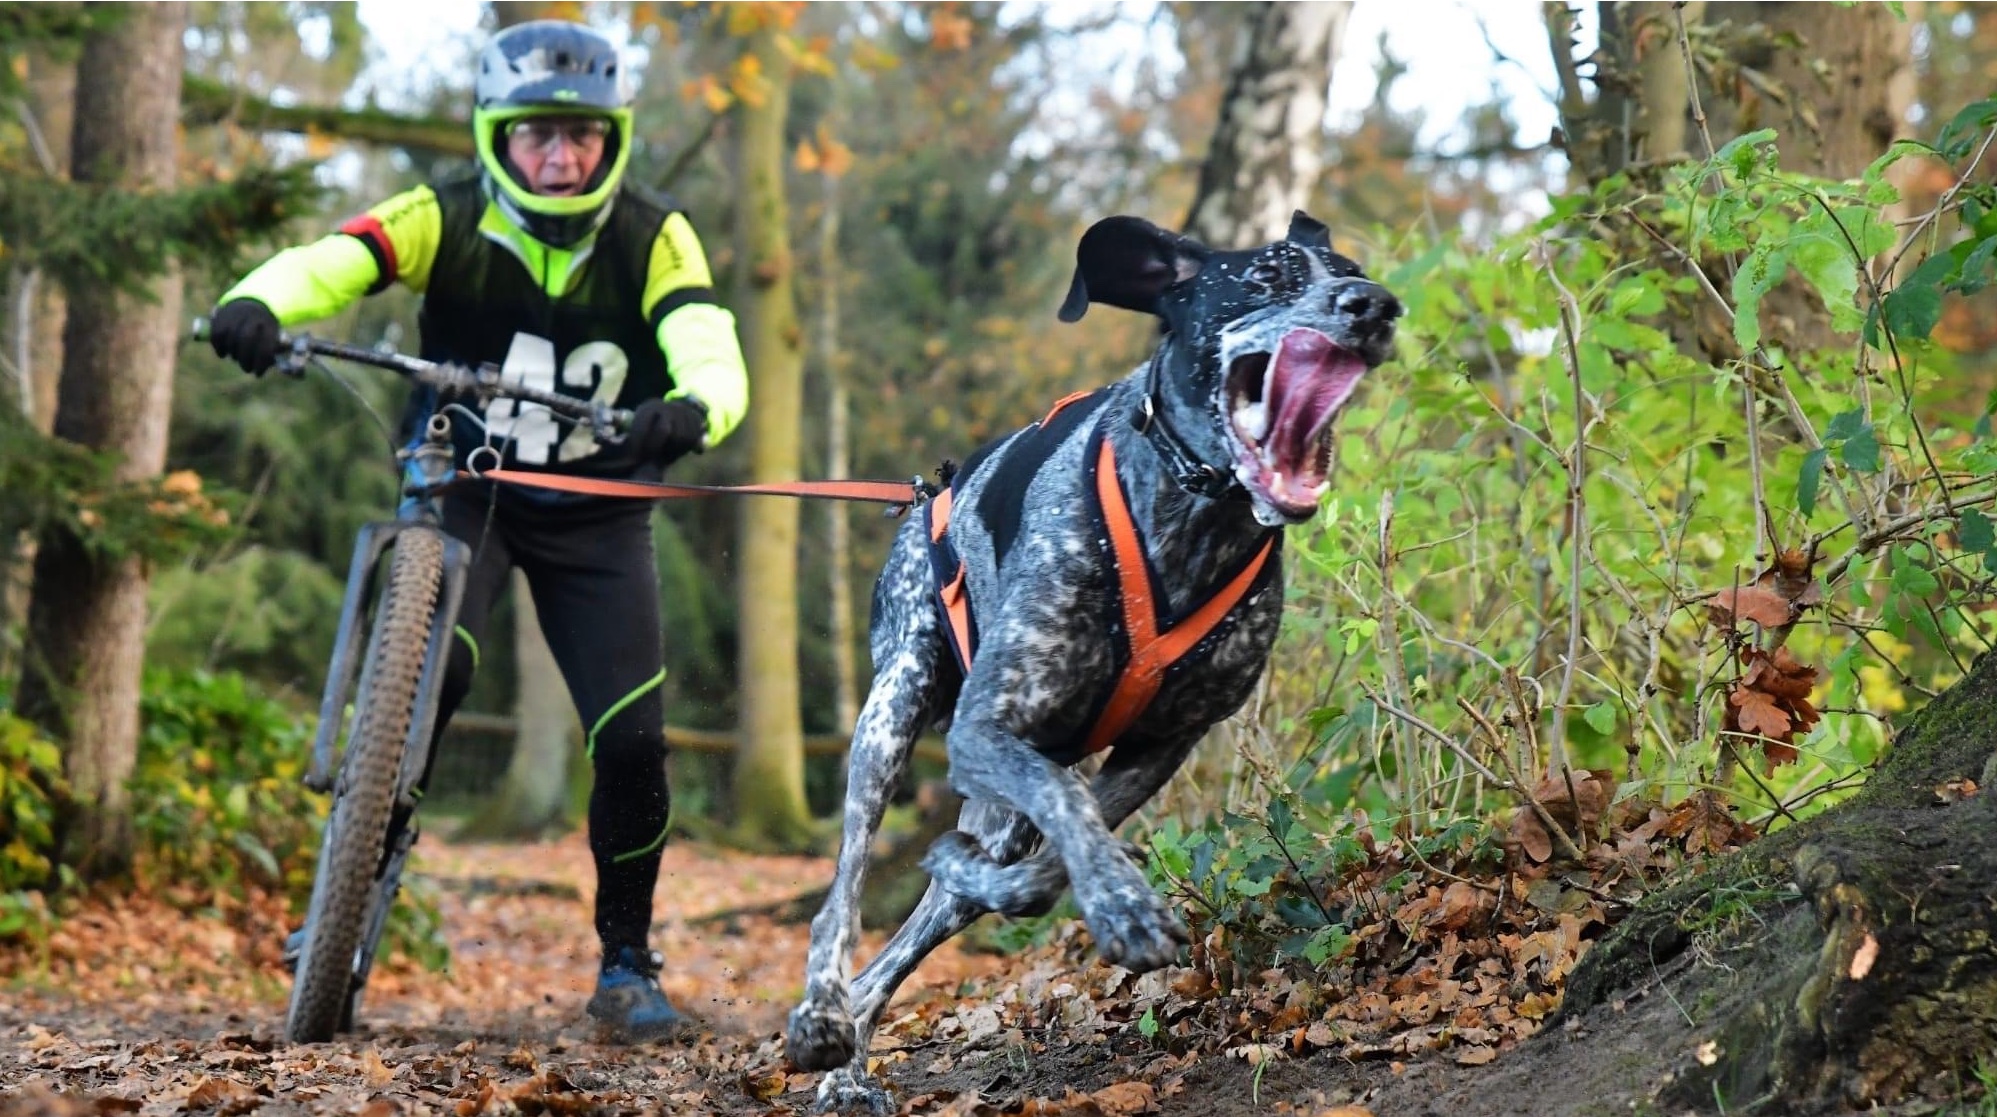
column 37, row 309
column 533, row 796
column 87, row 618
column 1268, row 148
column 770, row 808
column 838, row 463
column 1850, row 83
column 1640, row 112
column 1853, row 963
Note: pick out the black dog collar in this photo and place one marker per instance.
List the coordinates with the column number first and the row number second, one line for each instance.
column 1191, row 474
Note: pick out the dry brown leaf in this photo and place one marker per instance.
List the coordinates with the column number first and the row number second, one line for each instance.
column 1463, row 906
column 1758, row 714
column 1476, row 1056
column 375, row 1072
column 1120, row 1098
column 225, row 1094
column 1956, row 790
column 1790, row 576
column 1757, row 604
column 764, row 1083
column 1529, row 835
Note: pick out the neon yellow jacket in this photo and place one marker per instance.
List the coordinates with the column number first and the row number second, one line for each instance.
column 639, row 289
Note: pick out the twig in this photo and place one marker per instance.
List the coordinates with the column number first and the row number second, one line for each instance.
column 1554, row 828
column 1942, row 204
column 1577, row 508
column 690, row 152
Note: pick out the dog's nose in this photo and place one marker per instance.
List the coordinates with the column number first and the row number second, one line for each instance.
column 1366, row 302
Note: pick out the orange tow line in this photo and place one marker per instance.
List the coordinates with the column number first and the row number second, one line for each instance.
column 878, row 492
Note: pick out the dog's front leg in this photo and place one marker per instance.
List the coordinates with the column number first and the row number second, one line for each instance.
column 1132, row 925
column 1000, row 833
column 1134, row 772
column 821, row 1034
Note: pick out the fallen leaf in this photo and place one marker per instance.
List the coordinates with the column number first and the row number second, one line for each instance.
column 765, row 1083
column 1529, row 835
column 1121, row 1098
column 1707, row 1053
column 225, row 1094
column 1863, row 959
column 375, row 1072
column 1956, row 790
column 1255, row 1054
column 1476, row 1056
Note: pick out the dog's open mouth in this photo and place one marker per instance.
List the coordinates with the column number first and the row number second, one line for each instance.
column 1281, row 406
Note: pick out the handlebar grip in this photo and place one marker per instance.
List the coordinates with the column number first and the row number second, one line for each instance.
column 198, row 329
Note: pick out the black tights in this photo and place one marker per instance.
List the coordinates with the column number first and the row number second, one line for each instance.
column 596, row 589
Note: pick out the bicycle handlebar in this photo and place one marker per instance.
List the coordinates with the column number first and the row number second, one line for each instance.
column 485, row 381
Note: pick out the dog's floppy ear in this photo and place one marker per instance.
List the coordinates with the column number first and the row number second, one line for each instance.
column 1129, row 262
column 1309, row 231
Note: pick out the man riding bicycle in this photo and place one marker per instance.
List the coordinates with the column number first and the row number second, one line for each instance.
column 546, row 263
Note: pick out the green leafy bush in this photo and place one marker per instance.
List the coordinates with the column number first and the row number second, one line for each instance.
column 31, row 786
column 221, row 807
column 217, row 797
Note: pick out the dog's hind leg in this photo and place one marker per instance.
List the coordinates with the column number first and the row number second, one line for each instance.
column 1128, row 780
column 1002, row 834
column 821, row 1033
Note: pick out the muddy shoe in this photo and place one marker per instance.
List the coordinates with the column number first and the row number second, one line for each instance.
column 628, row 1005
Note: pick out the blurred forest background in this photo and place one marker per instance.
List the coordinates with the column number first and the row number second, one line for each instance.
column 1702, row 322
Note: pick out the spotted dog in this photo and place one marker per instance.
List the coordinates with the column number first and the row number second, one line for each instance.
column 1108, row 578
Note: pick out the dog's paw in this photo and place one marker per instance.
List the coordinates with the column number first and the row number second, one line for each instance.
column 1136, row 931
column 850, row 1091
column 820, row 1036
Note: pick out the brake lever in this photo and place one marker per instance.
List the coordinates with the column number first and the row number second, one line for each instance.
column 293, row 361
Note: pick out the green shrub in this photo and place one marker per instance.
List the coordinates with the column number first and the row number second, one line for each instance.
column 30, row 787
column 221, row 807
column 217, row 798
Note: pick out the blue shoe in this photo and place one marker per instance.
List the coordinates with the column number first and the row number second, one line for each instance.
column 628, row 1003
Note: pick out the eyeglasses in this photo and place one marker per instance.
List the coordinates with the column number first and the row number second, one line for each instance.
column 539, row 133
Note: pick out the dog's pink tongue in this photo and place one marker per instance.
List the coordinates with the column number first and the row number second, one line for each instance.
column 1309, row 377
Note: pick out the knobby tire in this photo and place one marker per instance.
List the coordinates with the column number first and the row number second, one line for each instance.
column 357, row 827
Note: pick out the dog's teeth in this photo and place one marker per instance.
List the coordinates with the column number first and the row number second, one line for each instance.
column 1253, row 420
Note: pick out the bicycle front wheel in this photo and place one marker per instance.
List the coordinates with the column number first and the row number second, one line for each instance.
column 364, row 796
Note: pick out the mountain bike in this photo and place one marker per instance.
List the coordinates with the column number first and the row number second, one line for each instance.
column 386, row 674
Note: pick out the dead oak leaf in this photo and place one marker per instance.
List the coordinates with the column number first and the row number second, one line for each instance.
column 1756, row 712
column 225, row 1095
column 1756, row 604
column 1529, row 835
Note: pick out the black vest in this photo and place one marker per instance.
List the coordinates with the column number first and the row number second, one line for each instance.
column 481, row 299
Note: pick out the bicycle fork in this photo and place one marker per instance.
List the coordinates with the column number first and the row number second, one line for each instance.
column 374, row 540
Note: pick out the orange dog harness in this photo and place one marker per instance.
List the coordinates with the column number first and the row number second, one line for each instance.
column 1152, row 644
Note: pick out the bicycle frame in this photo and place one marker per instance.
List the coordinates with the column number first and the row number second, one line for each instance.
column 426, row 469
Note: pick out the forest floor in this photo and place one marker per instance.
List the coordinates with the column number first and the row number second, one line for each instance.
column 143, row 1006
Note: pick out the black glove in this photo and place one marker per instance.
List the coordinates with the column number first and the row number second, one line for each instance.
column 666, row 430
column 245, row 331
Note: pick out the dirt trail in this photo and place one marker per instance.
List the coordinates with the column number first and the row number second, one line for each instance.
column 139, row 1007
